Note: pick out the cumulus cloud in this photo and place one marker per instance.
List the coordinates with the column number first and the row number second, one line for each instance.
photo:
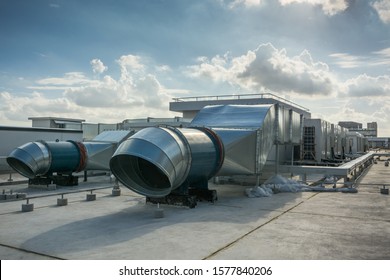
column 381, row 57
column 130, row 64
column 163, row 68
column 383, row 9
column 247, row 3
column 385, row 53
column 363, row 109
column 345, row 60
column 69, row 80
column 106, row 93
column 275, row 70
column 97, row 66
column 268, row 68
column 17, row 108
column 363, row 99
column 329, row 7
column 376, row 58
column 136, row 93
column 135, row 88
column 132, row 93
column 367, row 86
column 308, row 82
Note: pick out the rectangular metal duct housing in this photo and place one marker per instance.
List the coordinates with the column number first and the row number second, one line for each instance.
column 249, row 134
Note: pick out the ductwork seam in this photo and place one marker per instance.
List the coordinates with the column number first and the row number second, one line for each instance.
column 83, row 155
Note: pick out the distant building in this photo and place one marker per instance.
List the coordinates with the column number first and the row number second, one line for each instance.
column 370, row 131
column 91, row 130
column 378, row 142
column 54, row 122
column 351, row 125
column 372, row 128
column 137, row 124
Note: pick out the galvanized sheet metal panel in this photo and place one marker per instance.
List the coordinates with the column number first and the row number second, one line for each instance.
column 254, row 138
column 231, row 116
column 296, row 124
column 240, row 156
column 289, row 126
column 203, row 154
column 115, row 136
column 99, row 155
column 267, row 138
column 282, row 124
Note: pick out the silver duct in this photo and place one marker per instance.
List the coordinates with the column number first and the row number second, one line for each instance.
column 41, row 158
column 30, row 160
column 221, row 140
column 238, row 141
column 157, row 160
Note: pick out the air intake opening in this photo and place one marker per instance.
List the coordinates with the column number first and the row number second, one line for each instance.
column 151, row 174
column 21, row 167
column 140, row 175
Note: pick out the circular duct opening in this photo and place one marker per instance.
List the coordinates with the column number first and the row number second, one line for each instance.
column 21, row 167
column 140, row 175
column 30, row 160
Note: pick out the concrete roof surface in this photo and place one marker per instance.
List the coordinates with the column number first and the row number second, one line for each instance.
column 303, row 225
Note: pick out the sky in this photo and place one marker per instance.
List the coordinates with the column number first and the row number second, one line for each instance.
column 110, row 60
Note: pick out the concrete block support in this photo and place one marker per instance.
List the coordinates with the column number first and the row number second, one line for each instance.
column 62, row 201
column 11, row 196
column 159, row 213
column 91, row 197
column 116, row 192
column 21, row 195
column 28, row 207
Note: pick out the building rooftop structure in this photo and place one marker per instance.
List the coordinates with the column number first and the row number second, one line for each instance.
column 351, row 124
column 370, row 131
column 190, row 106
column 138, row 124
column 56, row 122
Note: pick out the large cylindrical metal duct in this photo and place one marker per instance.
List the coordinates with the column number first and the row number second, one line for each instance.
column 39, row 158
column 157, row 160
column 30, row 160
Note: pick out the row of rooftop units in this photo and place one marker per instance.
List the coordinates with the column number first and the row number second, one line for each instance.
column 324, row 142
column 321, row 140
column 221, row 140
column 315, row 141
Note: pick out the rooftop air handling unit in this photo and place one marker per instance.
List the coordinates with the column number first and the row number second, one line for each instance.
column 46, row 162
column 323, row 143
column 173, row 165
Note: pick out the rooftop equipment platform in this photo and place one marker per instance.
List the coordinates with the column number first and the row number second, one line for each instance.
column 349, row 170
